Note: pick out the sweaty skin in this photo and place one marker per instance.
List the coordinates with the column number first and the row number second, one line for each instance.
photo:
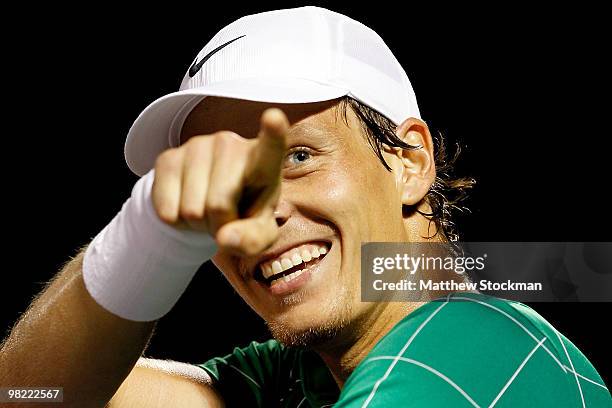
column 340, row 193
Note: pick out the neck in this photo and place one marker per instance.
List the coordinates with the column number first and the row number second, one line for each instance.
column 348, row 349
column 356, row 340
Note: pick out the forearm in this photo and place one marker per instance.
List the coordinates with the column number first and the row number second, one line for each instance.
column 66, row 339
column 165, row 383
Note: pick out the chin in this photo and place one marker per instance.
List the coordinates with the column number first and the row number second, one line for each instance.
column 304, row 326
column 310, row 337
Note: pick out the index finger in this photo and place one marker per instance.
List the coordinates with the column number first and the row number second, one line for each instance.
column 269, row 151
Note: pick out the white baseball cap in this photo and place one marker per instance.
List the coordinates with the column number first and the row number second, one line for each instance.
column 299, row 55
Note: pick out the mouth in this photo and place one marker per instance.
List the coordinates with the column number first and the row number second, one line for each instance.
column 291, row 264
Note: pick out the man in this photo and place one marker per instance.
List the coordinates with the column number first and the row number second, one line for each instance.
column 296, row 137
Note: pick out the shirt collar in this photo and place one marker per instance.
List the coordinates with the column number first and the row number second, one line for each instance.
column 318, row 384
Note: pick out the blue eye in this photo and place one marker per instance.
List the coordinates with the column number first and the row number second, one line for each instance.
column 299, row 156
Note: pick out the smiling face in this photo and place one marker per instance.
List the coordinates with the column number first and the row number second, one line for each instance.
column 335, row 194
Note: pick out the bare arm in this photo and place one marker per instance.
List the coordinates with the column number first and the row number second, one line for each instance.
column 66, row 339
column 164, row 383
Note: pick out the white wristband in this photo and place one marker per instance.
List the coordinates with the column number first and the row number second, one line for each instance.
column 137, row 267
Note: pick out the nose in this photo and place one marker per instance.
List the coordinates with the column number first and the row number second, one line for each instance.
column 282, row 212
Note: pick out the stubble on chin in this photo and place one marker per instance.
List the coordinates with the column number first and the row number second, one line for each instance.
column 332, row 318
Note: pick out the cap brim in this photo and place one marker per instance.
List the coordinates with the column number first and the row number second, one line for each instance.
column 153, row 132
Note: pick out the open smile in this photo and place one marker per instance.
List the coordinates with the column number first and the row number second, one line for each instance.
column 292, row 268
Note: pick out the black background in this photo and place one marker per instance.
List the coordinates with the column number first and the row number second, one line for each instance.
column 521, row 89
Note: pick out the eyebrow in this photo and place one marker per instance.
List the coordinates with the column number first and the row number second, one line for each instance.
column 305, row 129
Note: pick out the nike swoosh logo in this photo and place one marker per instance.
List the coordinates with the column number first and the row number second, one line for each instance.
column 193, row 69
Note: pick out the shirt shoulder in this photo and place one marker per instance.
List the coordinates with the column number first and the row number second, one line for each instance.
column 253, row 375
column 473, row 350
column 270, row 374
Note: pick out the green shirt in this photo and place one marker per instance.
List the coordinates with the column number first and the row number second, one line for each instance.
column 466, row 350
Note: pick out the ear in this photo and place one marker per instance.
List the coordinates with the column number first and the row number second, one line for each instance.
column 416, row 169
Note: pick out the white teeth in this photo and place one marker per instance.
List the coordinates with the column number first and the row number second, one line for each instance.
column 286, row 264
column 288, row 278
column 296, row 259
column 267, row 271
column 291, row 259
column 315, row 253
column 295, row 274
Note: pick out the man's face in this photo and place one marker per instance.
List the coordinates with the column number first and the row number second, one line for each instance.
column 335, row 194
